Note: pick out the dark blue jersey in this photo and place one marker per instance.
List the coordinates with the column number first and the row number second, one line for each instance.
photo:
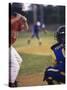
column 36, row 28
column 57, row 49
column 55, row 71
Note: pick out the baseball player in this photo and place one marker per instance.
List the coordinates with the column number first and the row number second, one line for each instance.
column 17, row 23
column 35, row 32
column 57, row 72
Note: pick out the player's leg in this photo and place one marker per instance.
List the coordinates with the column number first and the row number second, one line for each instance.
column 13, row 84
column 38, row 38
column 13, row 73
column 14, row 67
column 53, row 74
column 29, row 40
column 47, row 77
column 32, row 36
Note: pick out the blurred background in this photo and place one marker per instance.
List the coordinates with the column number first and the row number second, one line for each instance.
column 46, row 14
column 36, row 58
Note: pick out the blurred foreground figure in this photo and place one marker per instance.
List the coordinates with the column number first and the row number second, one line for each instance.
column 17, row 23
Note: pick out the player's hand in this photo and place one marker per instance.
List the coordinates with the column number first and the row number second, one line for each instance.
column 24, row 25
column 21, row 16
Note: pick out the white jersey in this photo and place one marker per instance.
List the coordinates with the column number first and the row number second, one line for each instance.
column 14, row 64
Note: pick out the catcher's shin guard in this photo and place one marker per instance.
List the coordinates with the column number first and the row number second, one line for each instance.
column 48, row 79
column 50, row 76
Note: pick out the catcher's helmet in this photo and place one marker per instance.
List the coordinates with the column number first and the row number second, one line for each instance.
column 60, row 34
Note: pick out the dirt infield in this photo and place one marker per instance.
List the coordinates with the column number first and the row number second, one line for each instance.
column 38, row 50
column 34, row 79
column 31, row 80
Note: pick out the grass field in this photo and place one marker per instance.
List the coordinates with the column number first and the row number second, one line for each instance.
column 36, row 58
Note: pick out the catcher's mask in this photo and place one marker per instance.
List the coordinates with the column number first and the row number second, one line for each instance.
column 60, row 35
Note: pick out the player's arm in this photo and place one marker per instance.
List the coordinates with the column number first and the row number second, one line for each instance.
column 26, row 25
column 14, row 19
column 24, row 20
column 57, row 49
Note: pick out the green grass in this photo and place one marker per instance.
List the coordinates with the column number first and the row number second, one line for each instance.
column 24, row 36
column 34, row 63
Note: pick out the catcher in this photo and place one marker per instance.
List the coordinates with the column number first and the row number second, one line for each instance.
column 17, row 23
column 56, row 74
